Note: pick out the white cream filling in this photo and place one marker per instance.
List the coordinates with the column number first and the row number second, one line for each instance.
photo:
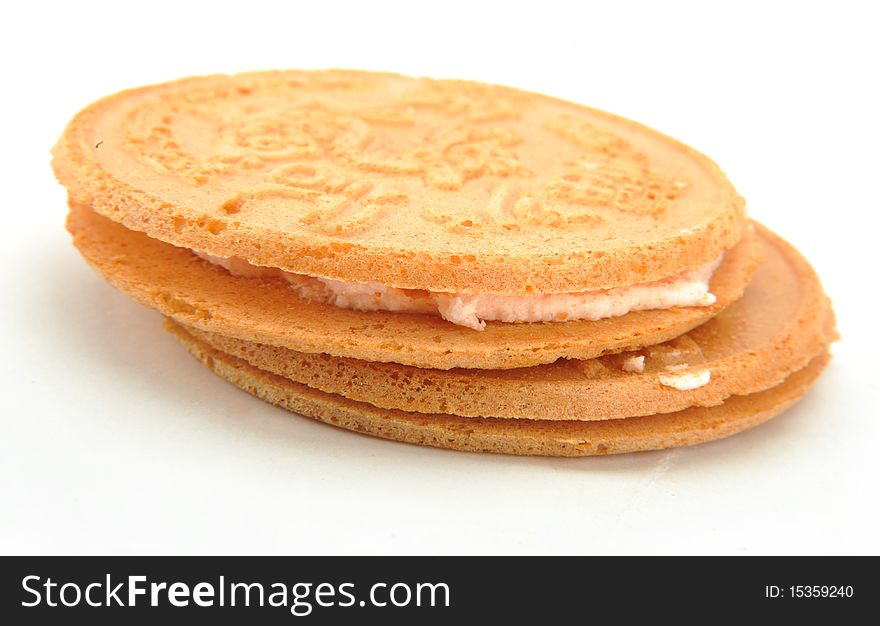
column 634, row 364
column 686, row 381
column 690, row 288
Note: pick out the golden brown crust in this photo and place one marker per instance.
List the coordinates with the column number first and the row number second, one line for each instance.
column 781, row 323
column 198, row 294
column 448, row 186
column 511, row 436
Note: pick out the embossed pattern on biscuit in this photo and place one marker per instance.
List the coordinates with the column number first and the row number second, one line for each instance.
column 441, row 185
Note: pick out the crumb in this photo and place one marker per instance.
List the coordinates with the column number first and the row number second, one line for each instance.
column 635, row 364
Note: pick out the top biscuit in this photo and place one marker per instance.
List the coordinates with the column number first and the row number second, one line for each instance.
column 440, row 185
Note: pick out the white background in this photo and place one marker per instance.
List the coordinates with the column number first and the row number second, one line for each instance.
column 116, row 441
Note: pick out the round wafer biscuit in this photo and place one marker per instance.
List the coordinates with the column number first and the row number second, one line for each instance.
column 198, row 294
column 781, row 323
column 512, row 436
column 447, row 186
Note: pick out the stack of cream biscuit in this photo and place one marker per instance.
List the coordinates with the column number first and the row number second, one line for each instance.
column 445, row 263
